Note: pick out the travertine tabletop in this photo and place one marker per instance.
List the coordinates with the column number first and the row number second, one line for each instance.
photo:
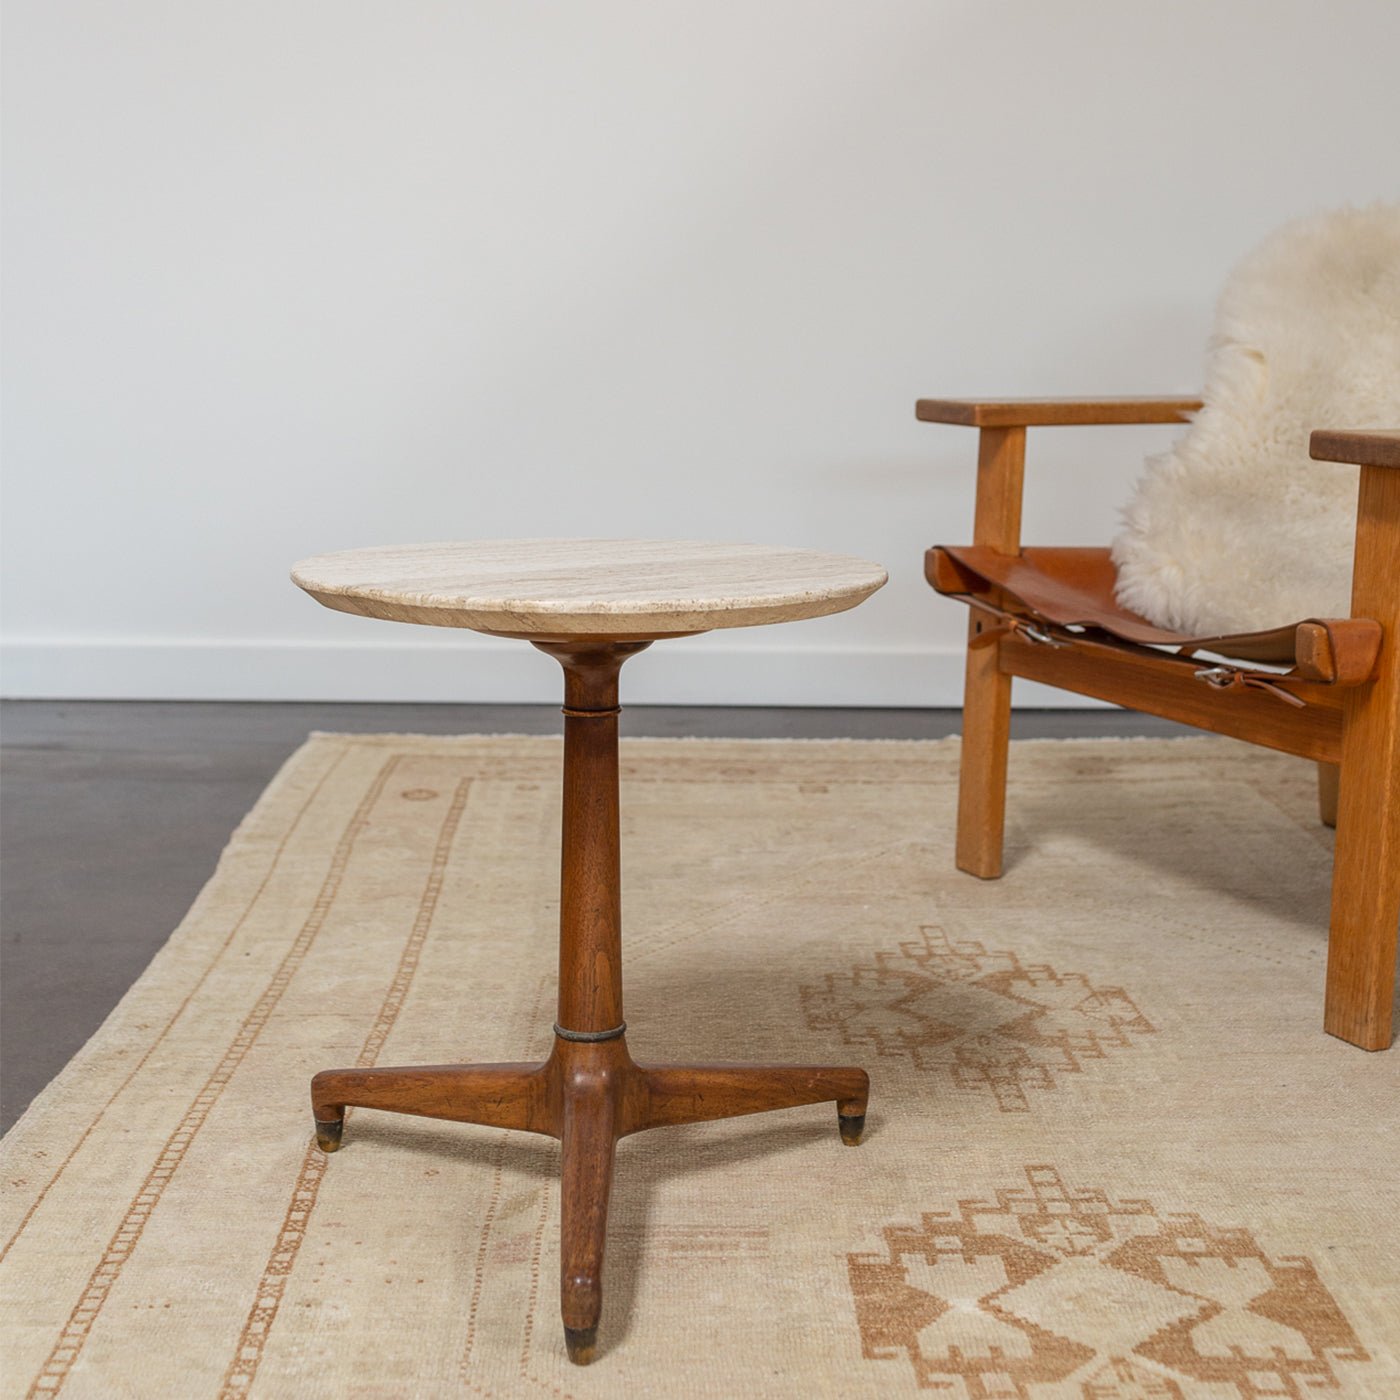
column 623, row 588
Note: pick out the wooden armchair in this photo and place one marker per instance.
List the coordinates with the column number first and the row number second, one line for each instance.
column 1330, row 690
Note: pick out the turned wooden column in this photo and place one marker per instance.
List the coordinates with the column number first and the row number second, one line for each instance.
column 590, row 885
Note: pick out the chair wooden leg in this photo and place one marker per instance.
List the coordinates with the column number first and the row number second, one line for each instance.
column 1001, row 460
column 1328, row 777
column 1361, row 947
column 986, row 739
column 1366, row 874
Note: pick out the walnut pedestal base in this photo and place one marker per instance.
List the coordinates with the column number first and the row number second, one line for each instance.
column 589, row 1092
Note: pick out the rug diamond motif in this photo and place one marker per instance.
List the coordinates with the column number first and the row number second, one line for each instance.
column 1053, row 1286
column 1116, row 1308
column 997, row 1026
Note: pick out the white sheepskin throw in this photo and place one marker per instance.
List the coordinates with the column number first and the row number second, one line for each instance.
column 1237, row 529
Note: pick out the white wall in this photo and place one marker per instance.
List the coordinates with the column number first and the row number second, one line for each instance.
column 295, row 276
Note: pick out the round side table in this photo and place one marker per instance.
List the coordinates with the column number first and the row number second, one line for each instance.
column 590, row 604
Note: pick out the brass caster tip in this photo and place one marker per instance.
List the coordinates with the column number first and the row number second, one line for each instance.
column 328, row 1133
column 581, row 1342
column 852, row 1128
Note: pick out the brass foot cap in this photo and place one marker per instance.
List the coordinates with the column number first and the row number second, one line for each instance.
column 852, row 1128
column 328, row 1133
column 581, row 1342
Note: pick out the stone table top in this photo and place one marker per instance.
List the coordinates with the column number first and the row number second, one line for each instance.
column 567, row 588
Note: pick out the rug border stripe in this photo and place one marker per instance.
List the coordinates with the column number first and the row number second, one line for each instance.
column 267, row 1297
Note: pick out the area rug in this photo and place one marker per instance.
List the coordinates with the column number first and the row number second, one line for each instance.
column 1110, row 1151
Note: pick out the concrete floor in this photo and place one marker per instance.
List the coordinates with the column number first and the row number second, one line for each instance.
column 114, row 814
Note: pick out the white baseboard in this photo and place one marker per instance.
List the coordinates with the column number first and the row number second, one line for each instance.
column 482, row 671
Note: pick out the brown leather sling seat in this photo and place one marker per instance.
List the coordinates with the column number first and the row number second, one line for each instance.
column 1065, row 597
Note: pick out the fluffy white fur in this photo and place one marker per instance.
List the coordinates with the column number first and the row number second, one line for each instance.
column 1236, row 529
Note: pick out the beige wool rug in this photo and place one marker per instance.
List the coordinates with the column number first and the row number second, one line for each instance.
column 1110, row 1151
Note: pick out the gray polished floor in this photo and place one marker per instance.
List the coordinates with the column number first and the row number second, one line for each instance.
column 113, row 815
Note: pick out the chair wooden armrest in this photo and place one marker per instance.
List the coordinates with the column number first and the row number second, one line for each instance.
column 1068, row 412
column 1366, row 449
column 1002, row 446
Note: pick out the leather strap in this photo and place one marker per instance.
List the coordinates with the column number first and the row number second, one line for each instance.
column 1221, row 675
column 1068, row 593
